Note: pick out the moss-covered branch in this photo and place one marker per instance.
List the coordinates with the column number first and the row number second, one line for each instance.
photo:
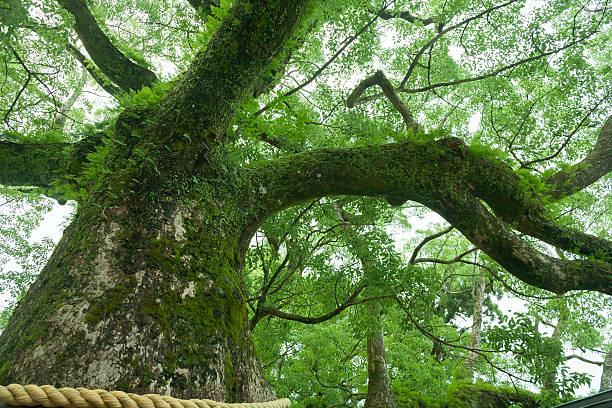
column 597, row 164
column 450, row 179
column 210, row 92
column 112, row 62
column 40, row 164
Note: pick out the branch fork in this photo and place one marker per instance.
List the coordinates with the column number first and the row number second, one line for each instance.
column 381, row 80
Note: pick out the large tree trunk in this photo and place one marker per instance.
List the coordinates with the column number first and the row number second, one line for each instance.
column 143, row 294
column 144, row 291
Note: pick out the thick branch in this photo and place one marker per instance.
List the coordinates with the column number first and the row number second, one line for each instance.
column 112, row 62
column 95, row 72
column 446, row 177
column 597, row 164
column 38, row 165
column 381, row 80
column 210, row 91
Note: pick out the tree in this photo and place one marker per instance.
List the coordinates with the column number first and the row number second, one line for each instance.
column 478, row 289
column 144, row 292
column 605, row 375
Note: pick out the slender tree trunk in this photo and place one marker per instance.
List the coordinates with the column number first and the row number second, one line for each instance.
column 470, row 361
column 550, row 383
column 59, row 121
column 606, row 374
column 379, row 393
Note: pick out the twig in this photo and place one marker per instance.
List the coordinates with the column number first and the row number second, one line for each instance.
column 426, row 240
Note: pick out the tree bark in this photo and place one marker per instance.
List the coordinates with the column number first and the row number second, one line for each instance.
column 144, row 293
column 549, row 384
column 111, row 61
column 606, row 374
column 447, row 177
column 379, row 393
column 141, row 297
column 470, row 362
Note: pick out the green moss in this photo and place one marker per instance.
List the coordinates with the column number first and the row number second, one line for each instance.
column 155, row 309
column 123, row 385
column 4, row 370
column 231, row 380
column 464, row 394
column 111, row 299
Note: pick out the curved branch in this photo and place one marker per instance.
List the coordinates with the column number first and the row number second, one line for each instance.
column 314, row 320
column 597, row 164
column 38, row 164
column 447, row 177
column 381, row 80
column 112, row 62
column 95, row 72
column 586, row 360
column 425, row 241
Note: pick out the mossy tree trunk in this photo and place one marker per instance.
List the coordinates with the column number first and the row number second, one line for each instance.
column 142, row 295
column 144, row 291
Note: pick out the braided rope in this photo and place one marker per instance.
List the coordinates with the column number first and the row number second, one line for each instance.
column 51, row 397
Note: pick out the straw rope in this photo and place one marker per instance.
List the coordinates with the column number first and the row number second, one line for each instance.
column 51, row 397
